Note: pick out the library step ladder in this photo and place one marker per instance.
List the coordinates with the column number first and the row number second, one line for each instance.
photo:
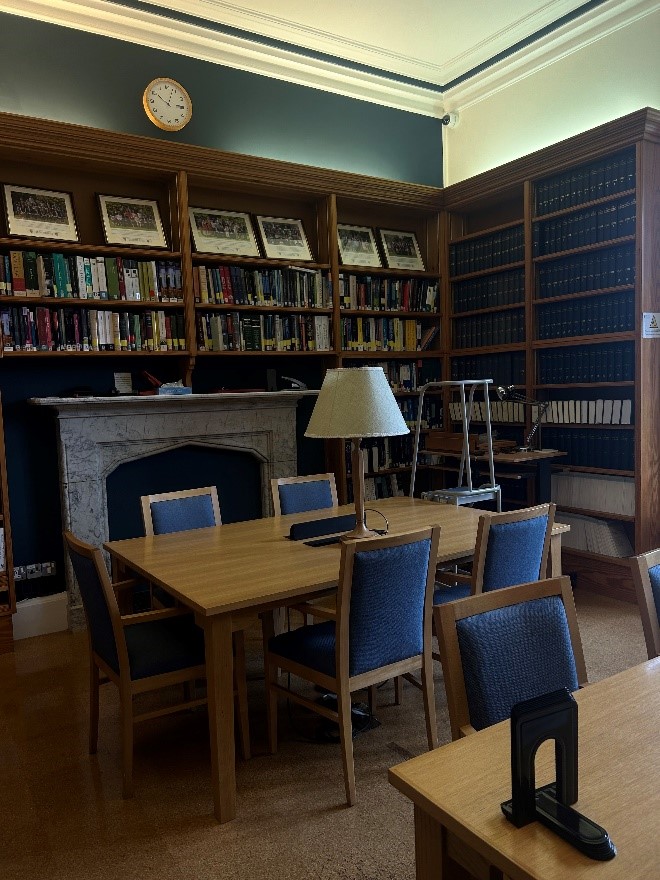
column 465, row 492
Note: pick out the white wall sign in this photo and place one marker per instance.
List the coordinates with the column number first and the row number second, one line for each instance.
column 651, row 325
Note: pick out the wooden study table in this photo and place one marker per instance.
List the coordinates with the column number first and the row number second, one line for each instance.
column 252, row 566
column 457, row 790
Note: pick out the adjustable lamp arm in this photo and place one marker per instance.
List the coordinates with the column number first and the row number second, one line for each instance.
column 509, row 393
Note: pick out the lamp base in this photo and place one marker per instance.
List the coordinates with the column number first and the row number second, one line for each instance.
column 359, row 533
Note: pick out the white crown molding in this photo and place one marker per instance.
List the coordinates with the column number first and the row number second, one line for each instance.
column 109, row 19
column 148, row 29
column 603, row 20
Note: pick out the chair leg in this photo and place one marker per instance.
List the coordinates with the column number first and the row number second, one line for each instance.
column 93, row 706
column 240, row 683
column 126, row 710
column 270, row 677
column 346, row 740
column 371, row 696
column 429, row 702
column 398, row 690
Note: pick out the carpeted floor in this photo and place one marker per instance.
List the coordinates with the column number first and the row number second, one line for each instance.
column 62, row 815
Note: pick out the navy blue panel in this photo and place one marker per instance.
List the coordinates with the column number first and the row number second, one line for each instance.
column 96, row 609
column 301, row 497
column 444, row 594
column 182, row 514
column 160, row 646
column 654, row 575
column 513, row 654
column 514, row 552
column 387, row 605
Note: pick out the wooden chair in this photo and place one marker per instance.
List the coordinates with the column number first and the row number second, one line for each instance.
column 382, row 629
column 138, row 652
column 511, row 548
column 507, row 645
column 182, row 511
column 646, row 577
column 300, row 494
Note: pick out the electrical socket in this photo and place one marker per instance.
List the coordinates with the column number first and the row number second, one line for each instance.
column 19, row 573
column 47, row 569
column 33, row 571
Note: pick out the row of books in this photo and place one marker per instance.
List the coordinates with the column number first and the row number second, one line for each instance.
column 500, row 411
column 378, row 486
column 600, row 492
column 587, row 363
column 47, row 328
column 236, row 285
column 388, row 294
column 587, row 227
column 501, row 289
column 238, row 331
column 385, row 334
column 611, row 313
column 383, row 453
column 493, row 328
column 586, row 184
column 587, row 447
column 487, row 252
column 595, row 270
column 504, row 368
column 431, row 413
column 589, row 412
column 409, row 376
column 28, row 273
column 593, row 535
column 3, row 558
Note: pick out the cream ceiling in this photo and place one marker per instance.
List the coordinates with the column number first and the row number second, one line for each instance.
column 425, row 56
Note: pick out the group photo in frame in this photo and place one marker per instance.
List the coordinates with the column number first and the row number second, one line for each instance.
column 400, row 249
column 131, row 221
column 223, row 232
column 357, row 246
column 39, row 213
column 283, row 238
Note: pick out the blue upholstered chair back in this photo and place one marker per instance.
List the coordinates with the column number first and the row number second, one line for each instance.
column 182, row 514
column 654, row 577
column 514, row 553
column 387, row 605
column 512, row 654
column 308, row 495
column 97, row 612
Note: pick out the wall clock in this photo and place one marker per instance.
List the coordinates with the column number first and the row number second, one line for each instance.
column 167, row 103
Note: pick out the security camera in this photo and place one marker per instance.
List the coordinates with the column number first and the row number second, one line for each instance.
column 450, row 119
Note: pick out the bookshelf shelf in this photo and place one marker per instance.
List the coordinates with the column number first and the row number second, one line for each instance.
column 258, row 262
column 261, row 308
column 96, row 354
column 91, row 303
column 101, row 250
column 379, row 271
column 389, row 313
column 583, row 249
column 481, row 273
column 578, row 207
column 601, row 514
column 487, row 310
column 561, row 341
column 345, row 354
column 7, row 591
column 622, row 288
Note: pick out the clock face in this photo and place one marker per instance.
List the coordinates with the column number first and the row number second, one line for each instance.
column 167, row 104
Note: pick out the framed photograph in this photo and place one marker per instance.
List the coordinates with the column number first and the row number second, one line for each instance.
column 401, row 249
column 131, row 221
column 223, row 232
column 357, row 246
column 39, row 213
column 284, row 238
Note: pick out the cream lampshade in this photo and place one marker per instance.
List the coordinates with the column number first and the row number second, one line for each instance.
column 354, row 403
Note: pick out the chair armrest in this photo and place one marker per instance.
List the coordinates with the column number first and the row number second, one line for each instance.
column 466, row 730
column 145, row 616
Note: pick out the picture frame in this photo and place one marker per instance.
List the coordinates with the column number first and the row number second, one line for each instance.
column 223, row 232
column 283, row 238
column 401, row 249
column 131, row 221
column 357, row 246
column 39, row 213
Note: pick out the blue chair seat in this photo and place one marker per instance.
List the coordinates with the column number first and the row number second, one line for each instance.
column 312, row 646
column 159, row 646
column 444, row 594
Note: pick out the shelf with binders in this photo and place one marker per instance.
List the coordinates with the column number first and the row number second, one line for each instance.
column 505, row 367
column 496, row 250
column 490, row 329
column 592, row 361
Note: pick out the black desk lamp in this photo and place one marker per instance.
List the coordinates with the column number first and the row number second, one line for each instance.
column 509, row 393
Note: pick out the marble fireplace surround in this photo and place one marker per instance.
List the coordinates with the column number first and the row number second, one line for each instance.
column 97, row 434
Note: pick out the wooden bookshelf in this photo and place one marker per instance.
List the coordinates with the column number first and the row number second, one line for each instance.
column 7, row 592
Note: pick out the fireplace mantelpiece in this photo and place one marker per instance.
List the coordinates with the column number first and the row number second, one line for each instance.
column 97, row 434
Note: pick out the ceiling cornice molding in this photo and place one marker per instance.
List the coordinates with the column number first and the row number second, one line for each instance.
column 158, row 31
column 171, row 35
column 571, row 37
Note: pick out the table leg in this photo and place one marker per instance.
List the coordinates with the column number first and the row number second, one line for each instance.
column 428, row 846
column 543, row 480
column 220, row 692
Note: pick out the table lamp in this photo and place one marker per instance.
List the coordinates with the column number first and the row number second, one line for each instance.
column 354, row 403
column 509, row 392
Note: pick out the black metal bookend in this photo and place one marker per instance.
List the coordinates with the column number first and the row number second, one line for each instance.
column 551, row 716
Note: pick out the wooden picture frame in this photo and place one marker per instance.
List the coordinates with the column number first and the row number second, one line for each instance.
column 39, row 213
column 283, row 238
column 400, row 249
column 223, row 232
column 131, row 221
column 357, row 246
